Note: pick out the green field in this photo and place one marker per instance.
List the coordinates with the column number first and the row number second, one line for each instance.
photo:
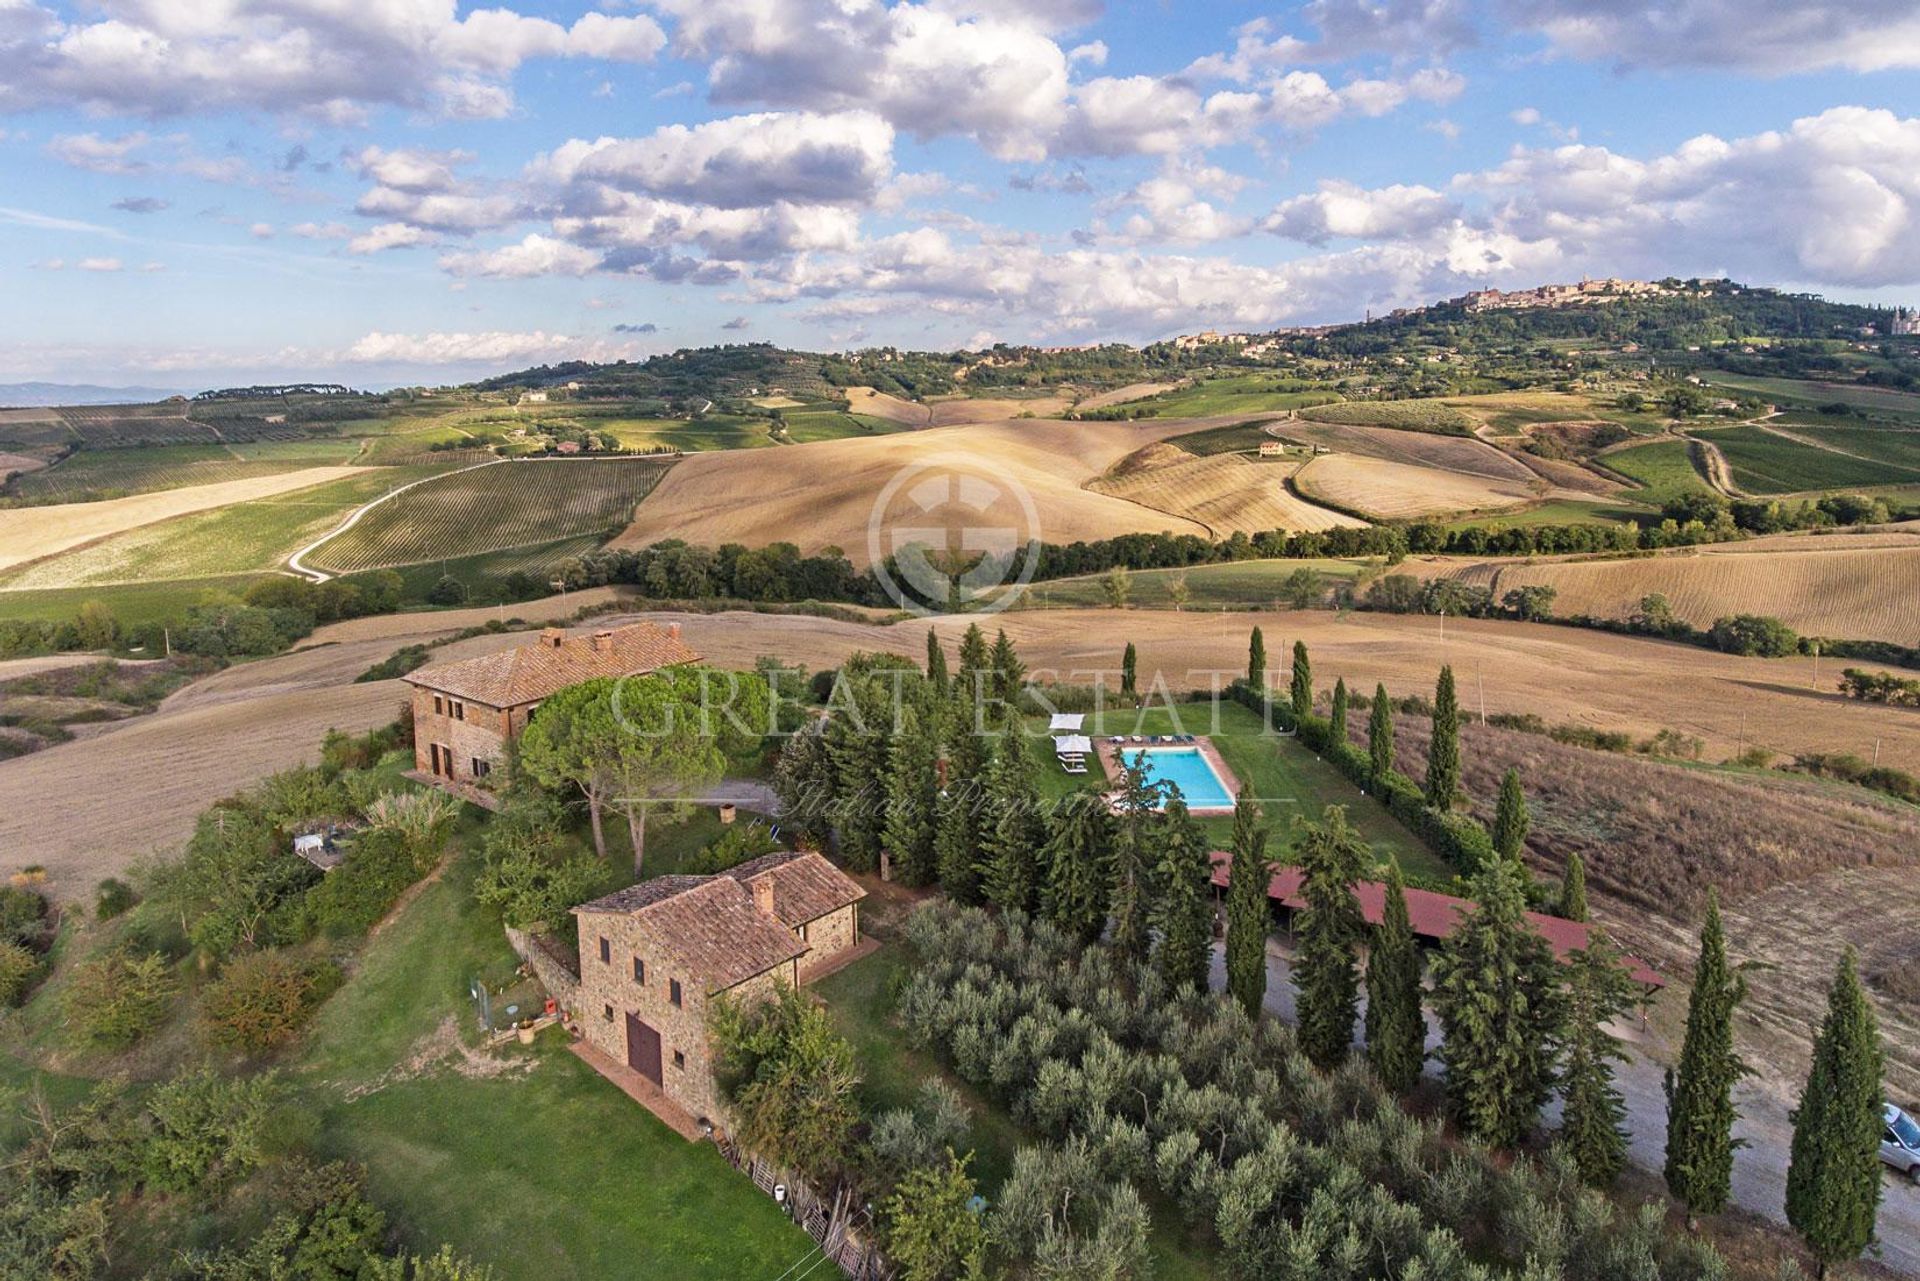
column 1765, row 463
column 1245, row 584
column 93, row 474
column 687, row 435
column 1789, row 391
column 1407, row 415
column 493, row 508
column 1288, row 779
column 1237, row 394
column 1245, row 438
column 1563, row 511
column 805, row 426
column 481, row 574
column 243, row 538
column 131, row 603
column 1897, row 447
column 1662, row 466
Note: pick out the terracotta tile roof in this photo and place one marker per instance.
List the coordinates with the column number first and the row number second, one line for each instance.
column 710, row 926
column 554, row 661
column 1432, row 915
column 805, row 886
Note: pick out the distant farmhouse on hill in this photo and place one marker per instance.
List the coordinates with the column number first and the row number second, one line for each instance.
column 465, row 712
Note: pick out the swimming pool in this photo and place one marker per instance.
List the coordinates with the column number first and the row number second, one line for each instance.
column 1188, row 769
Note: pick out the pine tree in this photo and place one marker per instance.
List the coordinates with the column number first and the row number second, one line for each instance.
column 1257, row 662
column 1129, row 663
column 1833, row 1180
column 1134, row 837
column 1380, row 736
column 1337, row 718
column 956, row 854
column 1328, row 931
column 1443, row 751
column 1183, row 900
column 1510, row 820
column 1396, row 1025
column 1497, row 991
column 1592, row 1129
column 913, row 786
column 1249, row 910
column 1079, row 859
column 1700, row 1111
column 1009, row 673
column 1300, row 689
column 937, row 664
column 1573, row 889
column 1011, row 837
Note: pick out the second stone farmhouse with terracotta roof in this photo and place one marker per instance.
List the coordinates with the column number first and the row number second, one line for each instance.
column 464, row 712
column 654, row 956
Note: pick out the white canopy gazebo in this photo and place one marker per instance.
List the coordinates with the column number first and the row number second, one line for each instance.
column 1066, row 723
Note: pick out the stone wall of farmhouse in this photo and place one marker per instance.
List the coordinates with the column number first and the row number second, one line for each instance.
column 559, row 981
column 609, row 990
column 830, row 934
column 469, row 731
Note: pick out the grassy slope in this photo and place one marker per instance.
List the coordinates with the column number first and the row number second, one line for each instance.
column 1765, row 463
column 552, row 1174
column 1237, row 394
column 1663, row 466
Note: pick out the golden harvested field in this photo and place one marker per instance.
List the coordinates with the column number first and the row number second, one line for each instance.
column 1448, row 453
column 953, row 411
column 1226, row 493
column 1569, row 475
column 1392, row 491
column 28, row 533
column 1843, row 592
column 865, row 400
column 90, row 807
column 823, row 494
column 1121, row 395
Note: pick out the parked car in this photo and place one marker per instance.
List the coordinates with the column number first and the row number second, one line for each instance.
column 1900, row 1142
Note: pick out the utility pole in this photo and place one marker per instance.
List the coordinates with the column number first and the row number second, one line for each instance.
column 1481, row 681
column 1876, row 753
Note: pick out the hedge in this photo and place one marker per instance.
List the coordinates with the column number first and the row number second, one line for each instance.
column 1457, row 838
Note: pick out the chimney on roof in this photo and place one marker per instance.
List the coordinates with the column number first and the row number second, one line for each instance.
column 673, row 630
column 762, row 887
column 603, row 642
column 553, row 636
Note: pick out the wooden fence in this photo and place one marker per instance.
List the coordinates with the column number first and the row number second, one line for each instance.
column 835, row 1223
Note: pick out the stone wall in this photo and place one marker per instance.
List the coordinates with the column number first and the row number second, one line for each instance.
column 562, row 984
column 479, row 732
column 609, row 991
column 831, row 934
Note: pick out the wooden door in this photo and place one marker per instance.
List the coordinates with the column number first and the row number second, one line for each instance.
column 643, row 1049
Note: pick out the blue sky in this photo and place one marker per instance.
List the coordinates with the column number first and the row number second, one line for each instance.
column 198, row 192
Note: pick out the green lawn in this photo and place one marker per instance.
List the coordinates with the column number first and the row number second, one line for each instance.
column 1245, row 584
column 1287, row 777
column 1662, row 466
column 547, row 1171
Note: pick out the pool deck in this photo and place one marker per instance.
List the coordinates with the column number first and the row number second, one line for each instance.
column 1109, row 752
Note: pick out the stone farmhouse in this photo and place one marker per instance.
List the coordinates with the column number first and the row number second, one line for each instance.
column 464, row 712
column 655, row 956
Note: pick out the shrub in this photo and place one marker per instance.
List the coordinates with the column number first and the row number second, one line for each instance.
column 263, row 999
column 17, row 968
column 23, row 916
column 112, row 897
column 351, row 899
column 534, row 872
column 403, row 660
column 208, row 1130
column 733, row 847
column 117, row 998
column 1754, row 635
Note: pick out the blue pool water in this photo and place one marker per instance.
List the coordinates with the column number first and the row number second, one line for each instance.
column 1187, row 770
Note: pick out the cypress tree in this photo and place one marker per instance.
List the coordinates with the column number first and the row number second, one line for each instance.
column 1129, row 664
column 1497, row 992
column 1009, row 673
column 937, row 664
column 1257, row 662
column 1510, row 820
column 1592, row 1129
column 804, row 782
column 1573, row 889
column 955, row 853
column 1301, row 688
column 1011, row 836
column 1248, row 910
column 1133, row 861
column 860, row 754
column 913, row 787
column 1833, row 1180
column 1700, row 1111
column 1328, row 931
column 1183, row 900
column 1079, row 859
column 1396, row 1027
column 1337, row 718
column 974, row 676
column 1443, row 751
column 1380, row 736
